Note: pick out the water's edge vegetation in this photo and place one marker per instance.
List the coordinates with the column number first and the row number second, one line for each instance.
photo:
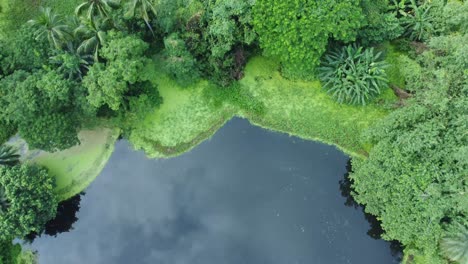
column 384, row 81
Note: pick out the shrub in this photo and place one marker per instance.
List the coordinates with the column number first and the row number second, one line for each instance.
column 353, row 75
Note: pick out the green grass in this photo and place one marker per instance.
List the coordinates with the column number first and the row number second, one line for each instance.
column 75, row 168
column 393, row 71
column 17, row 12
column 299, row 108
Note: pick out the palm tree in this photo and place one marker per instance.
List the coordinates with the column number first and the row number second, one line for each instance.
column 4, row 204
column 71, row 63
column 455, row 247
column 49, row 25
column 141, row 9
column 95, row 8
column 93, row 35
column 8, row 156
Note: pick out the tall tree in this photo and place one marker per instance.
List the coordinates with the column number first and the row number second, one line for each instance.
column 108, row 83
column 51, row 27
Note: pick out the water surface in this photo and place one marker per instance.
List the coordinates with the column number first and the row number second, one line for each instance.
column 247, row 196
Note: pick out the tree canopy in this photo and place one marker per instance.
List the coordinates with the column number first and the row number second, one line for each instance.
column 297, row 32
column 32, row 202
column 415, row 176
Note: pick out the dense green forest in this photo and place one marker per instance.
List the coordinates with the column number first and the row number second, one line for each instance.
column 384, row 80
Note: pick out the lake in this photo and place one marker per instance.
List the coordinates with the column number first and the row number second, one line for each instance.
column 246, row 196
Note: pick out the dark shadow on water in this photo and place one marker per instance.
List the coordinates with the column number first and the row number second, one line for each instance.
column 375, row 231
column 63, row 221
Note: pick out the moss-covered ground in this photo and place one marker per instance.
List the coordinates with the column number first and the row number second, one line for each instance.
column 192, row 114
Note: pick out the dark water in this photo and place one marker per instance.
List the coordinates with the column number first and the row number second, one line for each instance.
column 247, row 196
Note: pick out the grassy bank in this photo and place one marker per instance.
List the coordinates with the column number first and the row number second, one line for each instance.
column 75, row 168
column 191, row 114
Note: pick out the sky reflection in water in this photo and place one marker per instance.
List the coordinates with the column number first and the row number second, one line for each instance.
column 245, row 196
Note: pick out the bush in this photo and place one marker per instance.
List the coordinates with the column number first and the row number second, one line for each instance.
column 353, row 75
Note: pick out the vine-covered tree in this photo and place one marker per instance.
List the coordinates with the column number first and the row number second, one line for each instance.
column 32, row 202
column 297, row 31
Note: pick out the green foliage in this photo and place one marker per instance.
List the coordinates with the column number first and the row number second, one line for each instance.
column 92, row 9
column 415, row 177
column 455, row 245
column 22, row 51
column 91, row 36
column 449, row 16
column 108, row 82
column 411, row 72
column 46, row 108
column 418, row 22
column 353, row 75
column 141, row 9
column 380, row 25
column 179, row 62
column 9, row 252
column 71, row 63
column 8, row 156
column 297, row 32
column 217, row 33
column 7, row 130
column 50, row 26
column 29, row 189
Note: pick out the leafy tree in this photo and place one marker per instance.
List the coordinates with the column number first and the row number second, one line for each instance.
column 29, row 189
column 8, row 156
column 95, row 8
column 46, row 107
column 179, row 62
column 297, row 31
column 415, row 177
column 107, row 83
column 455, row 246
column 217, row 33
column 141, row 9
column 353, row 75
column 51, row 27
column 22, row 51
